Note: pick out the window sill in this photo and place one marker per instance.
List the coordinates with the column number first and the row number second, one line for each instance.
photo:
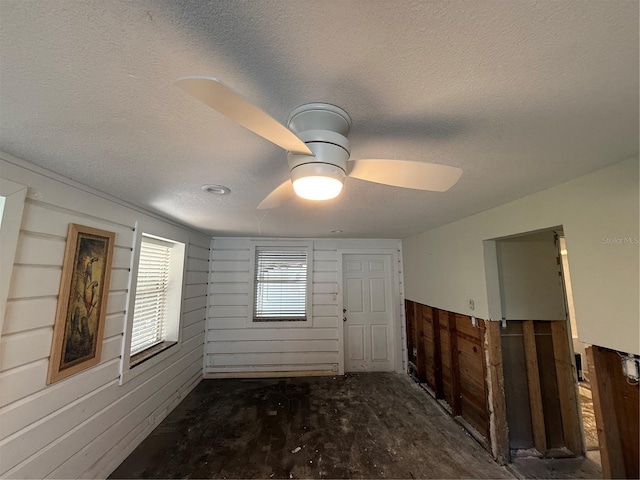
column 276, row 319
column 145, row 360
column 148, row 353
column 274, row 324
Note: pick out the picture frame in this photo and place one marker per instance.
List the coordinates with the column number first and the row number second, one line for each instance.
column 82, row 302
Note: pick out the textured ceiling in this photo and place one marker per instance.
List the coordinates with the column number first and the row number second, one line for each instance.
column 520, row 95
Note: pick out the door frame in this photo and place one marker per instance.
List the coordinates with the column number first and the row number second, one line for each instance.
column 573, row 431
column 395, row 299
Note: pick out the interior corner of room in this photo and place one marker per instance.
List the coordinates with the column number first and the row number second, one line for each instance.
column 459, row 297
column 504, row 260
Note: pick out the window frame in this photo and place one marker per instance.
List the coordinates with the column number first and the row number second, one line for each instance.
column 170, row 334
column 130, row 366
column 11, row 221
column 308, row 245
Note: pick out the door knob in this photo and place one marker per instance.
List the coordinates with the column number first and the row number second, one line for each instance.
column 344, row 310
column 344, row 319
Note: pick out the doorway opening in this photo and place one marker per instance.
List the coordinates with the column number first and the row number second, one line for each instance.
column 585, row 396
column 549, row 412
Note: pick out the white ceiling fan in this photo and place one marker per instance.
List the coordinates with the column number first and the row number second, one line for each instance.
column 317, row 147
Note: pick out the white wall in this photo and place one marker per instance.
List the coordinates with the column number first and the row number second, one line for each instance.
column 85, row 425
column 530, row 287
column 444, row 267
column 237, row 347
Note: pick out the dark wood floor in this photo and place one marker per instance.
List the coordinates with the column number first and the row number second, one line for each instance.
column 358, row 426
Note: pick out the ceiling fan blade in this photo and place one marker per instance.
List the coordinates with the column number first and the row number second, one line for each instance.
column 217, row 95
column 280, row 195
column 406, row 174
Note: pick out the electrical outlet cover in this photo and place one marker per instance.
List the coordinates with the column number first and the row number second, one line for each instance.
column 631, row 367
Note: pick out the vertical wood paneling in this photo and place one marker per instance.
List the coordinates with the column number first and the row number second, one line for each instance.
column 421, row 360
column 456, row 395
column 54, row 430
column 445, row 356
column 429, row 346
column 616, row 402
column 451, row 355
column 472, row 373
column 535, row 392
column 410, row 314
column 437, row 354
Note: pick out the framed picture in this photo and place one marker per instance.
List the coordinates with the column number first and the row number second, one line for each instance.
column 82, row 302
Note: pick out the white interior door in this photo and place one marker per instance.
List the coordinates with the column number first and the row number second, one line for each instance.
column 368, row 328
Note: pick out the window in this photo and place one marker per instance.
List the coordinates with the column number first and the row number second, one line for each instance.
column 156, row 314
column 281, row 288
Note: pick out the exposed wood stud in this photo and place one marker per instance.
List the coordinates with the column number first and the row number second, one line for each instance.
column 483, row 332
column 429, row 347
column 606, row 422
column 567, row 383
column 535, row 392
column 499, row 428
column 422, row 354
column 455, row 366
column 617, row 405
column 437, row 353
column 410, row 319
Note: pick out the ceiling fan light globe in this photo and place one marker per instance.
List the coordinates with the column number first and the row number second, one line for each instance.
column 317, row 188
column 317, row 181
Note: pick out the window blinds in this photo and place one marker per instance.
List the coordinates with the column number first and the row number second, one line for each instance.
column 280, row 284
column 149, row 317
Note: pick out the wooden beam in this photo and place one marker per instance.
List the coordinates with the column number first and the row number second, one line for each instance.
column 567, row 385
column 456, row 395
column 427, row 339
column 410, row 315
column 421, row 362
column 606, row 418
column 437, row 353
column 533, row 381
column 483, row 332
column 498, row 426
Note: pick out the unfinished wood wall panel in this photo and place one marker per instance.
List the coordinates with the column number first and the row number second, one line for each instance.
column 516, row 387
column 452, row 351
column 432, row 365
column 535, row 391
column 87, row 424
column 472, row 368
column 421, row 355
column 437, row 354
column 410, row 317
column 548, row 379
column 445, row 357
column 617, row 406
column 498, row 425
column 567, row 383
column 456, row 396
column 540, row 387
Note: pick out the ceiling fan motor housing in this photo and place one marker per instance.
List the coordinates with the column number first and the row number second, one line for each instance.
column 324, row 129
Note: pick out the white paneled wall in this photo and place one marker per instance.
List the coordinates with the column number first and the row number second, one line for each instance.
column 236, row 346
column 85, row 425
